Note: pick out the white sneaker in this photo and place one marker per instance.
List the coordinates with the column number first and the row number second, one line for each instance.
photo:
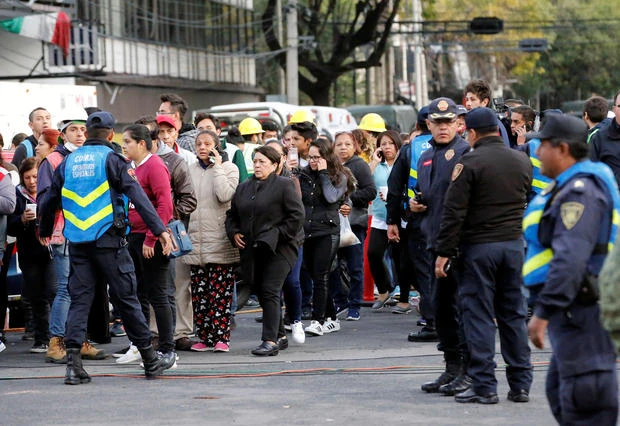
column 315, row 328
column 132, row 355
column 331, row 326
column 3, row 346
column 298, row 332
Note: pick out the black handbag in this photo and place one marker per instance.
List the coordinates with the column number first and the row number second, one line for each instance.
column 181, row 244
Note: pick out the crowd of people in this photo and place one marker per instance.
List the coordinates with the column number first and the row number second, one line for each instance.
column 482, row 213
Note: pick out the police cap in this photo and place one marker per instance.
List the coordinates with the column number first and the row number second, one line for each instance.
column 563, row 127
column 100, row 120
column 441, row 109
column 423, row 114
column 480, row 118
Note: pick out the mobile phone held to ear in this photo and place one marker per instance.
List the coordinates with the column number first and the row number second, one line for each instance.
column 380, row 155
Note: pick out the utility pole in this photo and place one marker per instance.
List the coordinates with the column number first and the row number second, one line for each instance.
column 281, row 72
column 421, row 84
column 292, row 60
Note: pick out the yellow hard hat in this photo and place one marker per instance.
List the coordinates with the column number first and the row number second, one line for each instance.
column 372, row 123
column 301, row 116
column 250, row 126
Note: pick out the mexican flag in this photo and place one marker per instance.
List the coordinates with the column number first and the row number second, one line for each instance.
column 53, row 28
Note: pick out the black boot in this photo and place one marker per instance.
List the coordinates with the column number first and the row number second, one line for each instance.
column 452, row 370
column 458, row 385
column 155, row 363
column 75, row 372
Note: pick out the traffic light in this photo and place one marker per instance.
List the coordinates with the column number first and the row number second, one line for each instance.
column 486, row 25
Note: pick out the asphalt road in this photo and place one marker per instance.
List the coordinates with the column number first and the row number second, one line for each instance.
column 365, row 374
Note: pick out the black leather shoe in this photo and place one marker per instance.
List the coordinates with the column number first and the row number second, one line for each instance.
column 459, row 385
column 518, row 396
column 282, row 343
column 471, row 396
column 259, row 319
column 266, row 349
column 75, row 374
column 444, row 379
column 426, row 334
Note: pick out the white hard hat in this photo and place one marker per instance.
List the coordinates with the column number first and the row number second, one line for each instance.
column 71, row 115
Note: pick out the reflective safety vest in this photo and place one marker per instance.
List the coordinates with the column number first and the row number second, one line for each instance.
column 538, row 258
column 418, row 145
column 539, row 181
column 86, row 199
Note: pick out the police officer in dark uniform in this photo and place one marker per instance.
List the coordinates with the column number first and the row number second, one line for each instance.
column 569, row 227
column 91, row 184
column 415, row 262
column 482, row 223
column 434, row 170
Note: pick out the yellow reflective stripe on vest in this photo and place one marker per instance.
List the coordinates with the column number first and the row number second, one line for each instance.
column 535, row 162
column 539, row 183
column 413, row 173
column 532, row 219
column 615, row 217
column 541, row 259
column 92, row 196
column 85, row 224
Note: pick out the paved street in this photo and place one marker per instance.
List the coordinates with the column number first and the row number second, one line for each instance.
column 368, row 373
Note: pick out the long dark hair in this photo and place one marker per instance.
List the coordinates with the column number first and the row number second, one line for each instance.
column 139, row 132
column 335, row 169
column 394, row 136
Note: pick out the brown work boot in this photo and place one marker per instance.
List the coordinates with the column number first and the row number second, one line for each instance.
column 56, row 352
column 88, row 351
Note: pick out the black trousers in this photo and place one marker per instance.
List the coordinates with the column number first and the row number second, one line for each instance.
column 40, row 288
column 319, row 255
column 270, row 271
column 153, row 279
column 415, row 253
column 91, row 264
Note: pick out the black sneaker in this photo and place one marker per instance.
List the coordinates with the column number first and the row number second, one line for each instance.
column 117, row 330
column 39, row 348
column 518, row 396
column 306, row 314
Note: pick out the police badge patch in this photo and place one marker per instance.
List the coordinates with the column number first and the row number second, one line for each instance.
column 442, row 105
column 132, row 173
column 449, row 154
column 571, row 212
column 457, row 171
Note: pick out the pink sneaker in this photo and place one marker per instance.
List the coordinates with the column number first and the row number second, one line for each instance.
column 200, row 347
column 221, row 347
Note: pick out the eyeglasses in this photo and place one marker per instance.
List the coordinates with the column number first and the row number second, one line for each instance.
column 314, row 158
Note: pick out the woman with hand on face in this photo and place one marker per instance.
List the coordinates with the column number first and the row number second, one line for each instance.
column 388, row 144
column 146, row 251
column 265, row 222
column 213, row 257
column 324, row 183
column 346, row 148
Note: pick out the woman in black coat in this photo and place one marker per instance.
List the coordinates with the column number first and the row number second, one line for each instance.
column 265, row 222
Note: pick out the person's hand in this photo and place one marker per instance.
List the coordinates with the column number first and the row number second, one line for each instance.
column 393, row 233
column 28, row 215
column 440, row 266
column 520, row 132
column 147, row 251
column 536, row 329
column 44, row 241
column 375, row 155
column 217, row 157
column 416, row 207
column 345, row 210
column 292, row 163
column 239, row 241
column 322, row 164
column 166, row 242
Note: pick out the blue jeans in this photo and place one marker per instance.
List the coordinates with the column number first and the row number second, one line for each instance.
column 62, row 301
column 354, row 257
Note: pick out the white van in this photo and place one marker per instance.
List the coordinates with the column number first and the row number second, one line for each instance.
column 329, row 120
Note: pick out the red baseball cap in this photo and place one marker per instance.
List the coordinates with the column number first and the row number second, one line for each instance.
column 167, row 120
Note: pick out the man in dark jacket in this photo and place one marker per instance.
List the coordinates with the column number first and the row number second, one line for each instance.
column 482, row 219
column 605, row 144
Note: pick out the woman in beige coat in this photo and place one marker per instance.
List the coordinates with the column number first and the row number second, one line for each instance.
column 213, row 257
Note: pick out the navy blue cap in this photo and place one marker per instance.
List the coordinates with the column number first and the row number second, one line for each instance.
column 441, row 109
column 479, row 118
column 423, row 114
column 100, row 120
column 563, row 127
column 461, row 110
